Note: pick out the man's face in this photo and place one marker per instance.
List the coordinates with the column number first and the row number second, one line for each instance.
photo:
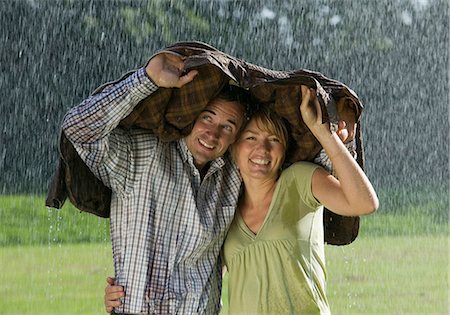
column 214, row 130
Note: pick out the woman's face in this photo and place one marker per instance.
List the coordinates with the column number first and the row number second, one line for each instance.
column 259, row 154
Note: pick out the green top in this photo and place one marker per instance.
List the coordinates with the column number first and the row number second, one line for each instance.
column 280, row 270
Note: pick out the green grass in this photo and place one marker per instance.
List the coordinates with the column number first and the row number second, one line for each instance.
column 54, row 279
column 24, row 220
column 390, row 275
column 386, row 275
column 56, row 262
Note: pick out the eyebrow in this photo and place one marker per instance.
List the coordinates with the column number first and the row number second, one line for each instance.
column 233, row 122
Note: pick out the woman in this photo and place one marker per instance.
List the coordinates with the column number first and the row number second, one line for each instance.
column 274, row 251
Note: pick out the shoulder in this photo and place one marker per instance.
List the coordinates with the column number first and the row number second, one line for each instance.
column 297, row 179
column 300, row 169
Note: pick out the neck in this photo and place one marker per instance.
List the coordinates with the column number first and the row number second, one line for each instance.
column 203, row 170
column 258, row 192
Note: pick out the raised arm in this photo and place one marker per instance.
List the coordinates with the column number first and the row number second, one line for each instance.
column 352, row 194
column 166, row 70
column 91, row 126
column 99, row 114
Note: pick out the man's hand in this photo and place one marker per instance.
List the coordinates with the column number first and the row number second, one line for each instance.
column 166, row 69
column 112, row 294
column 347, row 122
column 342, row 132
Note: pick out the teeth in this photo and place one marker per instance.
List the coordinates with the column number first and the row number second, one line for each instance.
column 260, row 161
column 203, row 143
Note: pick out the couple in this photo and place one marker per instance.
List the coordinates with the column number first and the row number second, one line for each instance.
column 173, row 203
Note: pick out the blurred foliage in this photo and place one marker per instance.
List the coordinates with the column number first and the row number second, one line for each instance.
column 394, row 54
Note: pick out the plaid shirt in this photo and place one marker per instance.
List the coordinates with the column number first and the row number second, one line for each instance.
column 167, row 225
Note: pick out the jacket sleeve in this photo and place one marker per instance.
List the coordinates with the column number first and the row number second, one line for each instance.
column 116, row 156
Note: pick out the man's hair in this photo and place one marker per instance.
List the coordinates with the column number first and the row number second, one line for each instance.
column 232, row 93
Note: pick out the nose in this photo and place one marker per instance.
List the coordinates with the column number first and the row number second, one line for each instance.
column 214, row 131
column 263, row 145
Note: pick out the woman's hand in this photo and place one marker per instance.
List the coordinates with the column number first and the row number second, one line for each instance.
column 312, row 113
column 310, row 109
column 112, row 295
column 312, row 116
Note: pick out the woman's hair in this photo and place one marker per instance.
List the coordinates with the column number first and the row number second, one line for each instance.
column 269, row 121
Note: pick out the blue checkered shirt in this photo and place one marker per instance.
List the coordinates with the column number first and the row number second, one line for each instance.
column 167, row 224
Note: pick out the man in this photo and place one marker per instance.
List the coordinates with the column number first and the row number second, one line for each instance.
column 171, row 203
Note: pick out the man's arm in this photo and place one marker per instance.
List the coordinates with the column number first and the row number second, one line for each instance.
column 91, row 126
column 96, row 116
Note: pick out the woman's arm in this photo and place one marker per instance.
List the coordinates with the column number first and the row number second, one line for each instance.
column 113, row 293
column 350, row 195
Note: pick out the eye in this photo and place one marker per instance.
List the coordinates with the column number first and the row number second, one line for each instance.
column 274, row 139
column 206, row 117
column 228, row 128
column 250, row 138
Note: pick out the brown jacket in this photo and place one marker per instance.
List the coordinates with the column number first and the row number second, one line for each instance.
column 170, row 113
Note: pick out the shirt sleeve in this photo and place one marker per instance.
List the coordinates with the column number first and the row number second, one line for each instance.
column 116, row 156
column 302, row 173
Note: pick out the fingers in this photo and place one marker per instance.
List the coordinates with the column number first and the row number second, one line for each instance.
column 309, row 95
column 306, row 95
column 342, row 131
column 166, row 70
column 175, row 60
column 176, row 63
column 114, row 290
column 113, row 293
column 112, row 297
column 186, row 78
column 110, row 305
column 111, row 281
column 346, row 131
column 351, row 128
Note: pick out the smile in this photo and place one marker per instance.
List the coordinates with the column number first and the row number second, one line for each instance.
column 203, row 143
column 260, row 161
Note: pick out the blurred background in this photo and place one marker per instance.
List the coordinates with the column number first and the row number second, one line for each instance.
column 393, row 54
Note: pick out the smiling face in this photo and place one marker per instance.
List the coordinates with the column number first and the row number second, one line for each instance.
column 260, row 149
column 214, row 130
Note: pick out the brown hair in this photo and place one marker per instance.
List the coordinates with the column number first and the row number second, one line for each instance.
column 267, row 120
column 232, row 93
